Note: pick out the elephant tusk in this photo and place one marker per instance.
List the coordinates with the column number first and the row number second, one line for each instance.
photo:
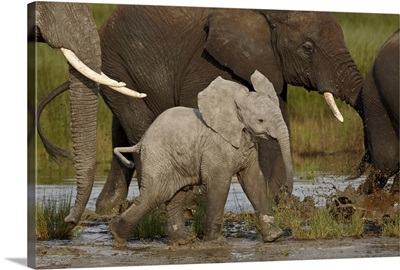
column 125, row 91
column 88, row 72
column 332, row 105
column 99, row 78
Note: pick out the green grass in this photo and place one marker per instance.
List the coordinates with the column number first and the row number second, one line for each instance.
column 152, row 226
column 50, row 215
column 314, row 131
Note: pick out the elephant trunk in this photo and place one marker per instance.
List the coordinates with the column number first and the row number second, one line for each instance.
column 83, row 110
column 343, row 81
column 284, row 143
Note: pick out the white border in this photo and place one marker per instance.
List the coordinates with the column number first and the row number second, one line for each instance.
column 13, row 202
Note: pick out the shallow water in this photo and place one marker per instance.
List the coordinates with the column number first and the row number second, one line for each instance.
column 97, row 232
column 319, row 188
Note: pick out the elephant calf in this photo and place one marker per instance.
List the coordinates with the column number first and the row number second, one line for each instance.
column 185, row 147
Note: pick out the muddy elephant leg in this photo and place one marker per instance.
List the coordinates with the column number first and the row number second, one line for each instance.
column 175, row 216
column 254, row 186
column 396, row 184
column 115, row 190
column 375, row 181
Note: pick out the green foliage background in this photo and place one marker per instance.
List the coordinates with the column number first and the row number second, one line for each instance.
column 319, row 141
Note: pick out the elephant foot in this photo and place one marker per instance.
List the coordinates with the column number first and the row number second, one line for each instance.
column 216, row 239
column 120, row 230
column 176, row 233
column 182, row 241
column 270, row 231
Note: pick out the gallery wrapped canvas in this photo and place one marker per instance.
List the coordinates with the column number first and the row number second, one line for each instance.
column 113, row 180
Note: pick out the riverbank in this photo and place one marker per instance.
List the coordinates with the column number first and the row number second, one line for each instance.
column 62, row 255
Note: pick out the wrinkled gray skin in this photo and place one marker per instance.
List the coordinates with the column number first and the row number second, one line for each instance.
column 185, row 147
column 173, row 53
column 380, row 114
column 65, row 25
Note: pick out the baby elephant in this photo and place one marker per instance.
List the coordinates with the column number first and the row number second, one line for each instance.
column 185, row 147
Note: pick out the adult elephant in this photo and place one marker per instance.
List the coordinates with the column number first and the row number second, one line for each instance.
column 380, row 115
column 172, row 53
column 70, row 27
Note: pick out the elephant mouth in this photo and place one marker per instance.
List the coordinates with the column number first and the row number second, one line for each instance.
column 264, row 136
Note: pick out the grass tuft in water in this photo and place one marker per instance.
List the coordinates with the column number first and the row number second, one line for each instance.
column 152, row 226
column 50, row 215
column 391, row 229
column 198, row 225
column 319, row 223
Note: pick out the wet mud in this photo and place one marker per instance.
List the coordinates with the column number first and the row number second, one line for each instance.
column 100, row 254
column 93, row 247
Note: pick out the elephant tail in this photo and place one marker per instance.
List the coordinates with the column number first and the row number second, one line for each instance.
column 137, row 147
column 130, row 149
column 53, row 150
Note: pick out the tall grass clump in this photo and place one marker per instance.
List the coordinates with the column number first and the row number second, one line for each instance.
column 319, row 223
column 198, row 224
column 391, row 229
column 50, row 215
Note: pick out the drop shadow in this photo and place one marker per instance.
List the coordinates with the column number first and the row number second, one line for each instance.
column 20, row 261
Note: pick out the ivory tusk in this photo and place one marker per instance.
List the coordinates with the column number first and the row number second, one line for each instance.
column 332, row 105
column 126, row 91
column 88, row 72
column 99, row 78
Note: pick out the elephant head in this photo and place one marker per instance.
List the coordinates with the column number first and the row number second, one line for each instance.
column 300, row 48
column 229, row 108
column 70, row 27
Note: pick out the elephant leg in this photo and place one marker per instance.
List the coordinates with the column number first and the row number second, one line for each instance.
column 254, row 186
column 217, row 194
column 375, row 181
column 175, row 216
column 122, row 226
column 396, row 185
column 115, row 190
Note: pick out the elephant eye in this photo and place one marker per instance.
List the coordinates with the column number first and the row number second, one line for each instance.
column 260, row 121
column 308, row 48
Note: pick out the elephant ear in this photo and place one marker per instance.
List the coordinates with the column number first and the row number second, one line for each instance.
column 240, row 40
column 217, row 106
column 263, row 86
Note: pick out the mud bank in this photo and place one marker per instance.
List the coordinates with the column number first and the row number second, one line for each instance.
column 96, row 254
